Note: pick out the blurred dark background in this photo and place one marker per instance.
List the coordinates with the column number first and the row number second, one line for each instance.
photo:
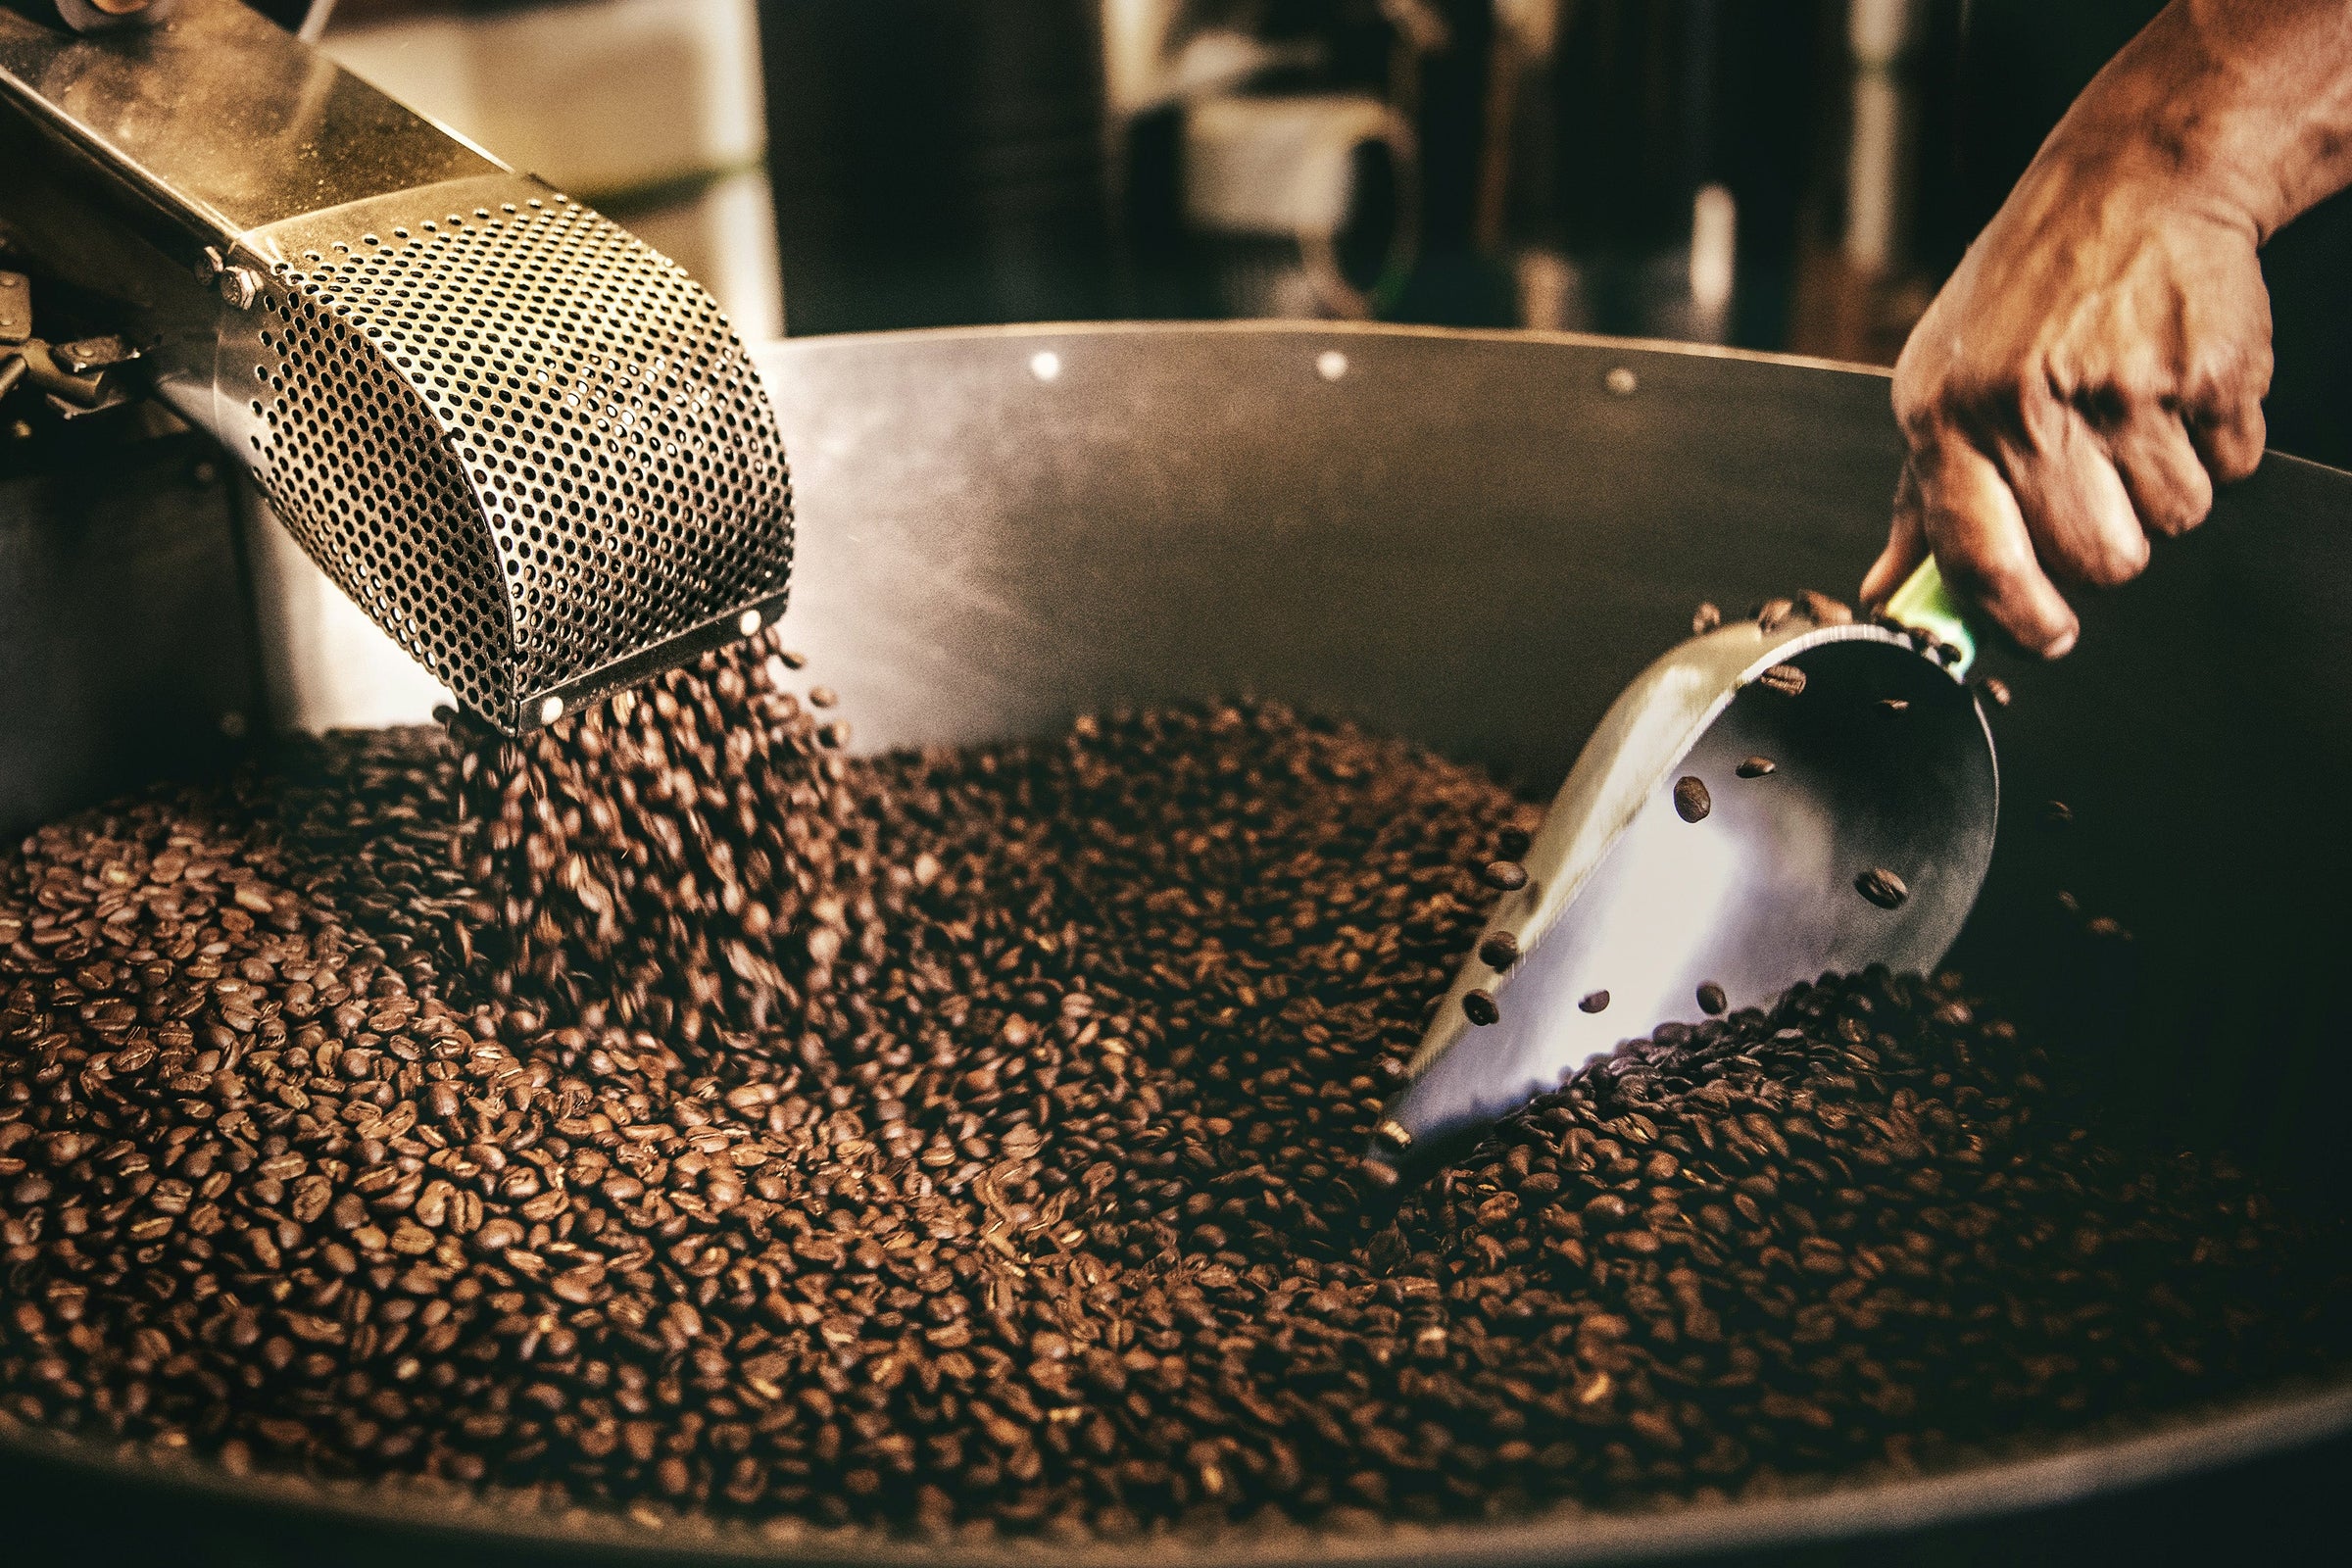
column 1790, row 175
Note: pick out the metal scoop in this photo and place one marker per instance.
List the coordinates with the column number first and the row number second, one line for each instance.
column 1762, row 805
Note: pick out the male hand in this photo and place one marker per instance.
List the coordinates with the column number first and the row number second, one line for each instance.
column 2096, row 364
column 2098, row 361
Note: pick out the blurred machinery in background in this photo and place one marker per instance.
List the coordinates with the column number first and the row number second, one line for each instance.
column 1793, row 175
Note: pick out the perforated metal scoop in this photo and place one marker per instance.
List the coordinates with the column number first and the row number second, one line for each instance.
column 526, row 443
column 1759, row 808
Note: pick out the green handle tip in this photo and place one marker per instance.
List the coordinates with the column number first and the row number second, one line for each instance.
column 1926, row 603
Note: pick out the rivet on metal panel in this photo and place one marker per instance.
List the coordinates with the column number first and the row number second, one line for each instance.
column 1046, row 365
column 1331, row 365
column 1621, row 381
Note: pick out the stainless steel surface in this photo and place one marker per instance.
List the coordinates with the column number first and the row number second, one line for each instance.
column 223, row 121
column 1632, row 904
column 1454, row 532
column 526, row 444
column 125, row 640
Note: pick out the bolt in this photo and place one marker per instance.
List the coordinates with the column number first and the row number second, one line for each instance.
column 1621, row 381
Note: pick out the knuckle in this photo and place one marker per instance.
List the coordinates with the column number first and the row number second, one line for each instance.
column 2113, row 557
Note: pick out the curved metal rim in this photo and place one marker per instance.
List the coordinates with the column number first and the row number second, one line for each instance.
column 2188, row 1444
column 1279, row 327
column 2188, row 1441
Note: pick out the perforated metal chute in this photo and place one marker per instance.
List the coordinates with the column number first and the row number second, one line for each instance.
column 523, row 441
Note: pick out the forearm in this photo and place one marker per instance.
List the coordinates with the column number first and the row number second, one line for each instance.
column 2241, row 108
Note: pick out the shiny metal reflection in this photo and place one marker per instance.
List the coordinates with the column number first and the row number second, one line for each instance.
column 1880, row 763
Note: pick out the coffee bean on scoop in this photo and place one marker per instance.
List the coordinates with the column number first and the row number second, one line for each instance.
column 1786, row 679
column 1705, row 619
column 1692, row 803
column 1507, row 876
column 1711, row 1000
column 1822, row 610
column 1499, row 951
column 1478, row 1006
column 1774, row 613
column 1755, row 766
column 1883, row 888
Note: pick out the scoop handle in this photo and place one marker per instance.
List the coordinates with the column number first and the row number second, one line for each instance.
column 1926, row 603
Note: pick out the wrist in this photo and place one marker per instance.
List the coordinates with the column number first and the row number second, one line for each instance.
column 2235, row 114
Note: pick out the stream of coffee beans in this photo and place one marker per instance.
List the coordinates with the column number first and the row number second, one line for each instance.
column 673, row 1114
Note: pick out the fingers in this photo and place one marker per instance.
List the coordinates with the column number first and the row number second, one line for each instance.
column 2161, row 472
column 2074, row 503
column 2229, row 437
column 1976, row 529
column 1906, row 545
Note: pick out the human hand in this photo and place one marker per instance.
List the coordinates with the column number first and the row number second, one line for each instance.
column 2096, row 363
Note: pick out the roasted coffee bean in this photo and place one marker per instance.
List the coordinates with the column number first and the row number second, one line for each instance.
column 668, row 1113
column 1786, row 679
column 1774, row 613
column 2057, row 813
column 1995, row 690
column 1822, row 610
column 1891, row 706
column 1506, row 876
column 1594, row 1000
column 1882, row 887
column 1478, row 1006
column 1499, row 951
column 1755, row 766
column 1711, row 1000
column 1704, row 620
column 1692, row 803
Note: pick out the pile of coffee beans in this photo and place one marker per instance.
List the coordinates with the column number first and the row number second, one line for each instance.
column 671, row 1114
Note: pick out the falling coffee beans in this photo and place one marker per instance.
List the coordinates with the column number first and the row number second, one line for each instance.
column 1786, row 679
column 1995, row 690
column 1478, row 1006
column 1594, row 1002
column 1883, row 888
column 1711, row 1000
column 1692, row 803
column 667, row 1115
column 1499, row 951
column 1755, row 768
